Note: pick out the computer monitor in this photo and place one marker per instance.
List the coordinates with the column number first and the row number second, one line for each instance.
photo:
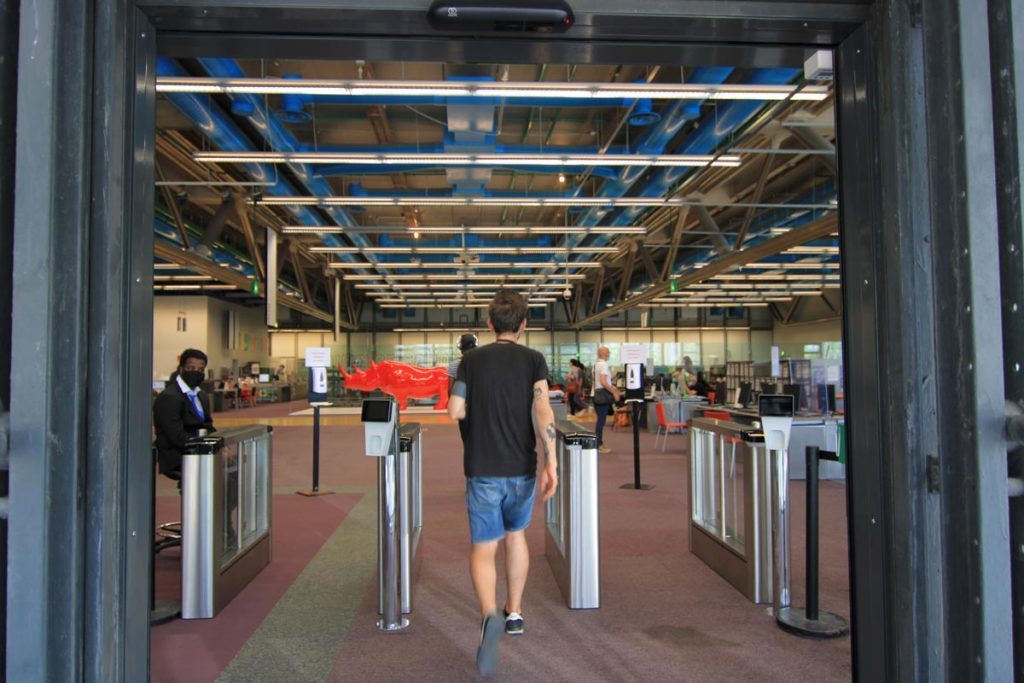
column 746, row 394
column 721, row 394
column 768, row 387
column 827, row 398
column 264, row 378
column 795, row 391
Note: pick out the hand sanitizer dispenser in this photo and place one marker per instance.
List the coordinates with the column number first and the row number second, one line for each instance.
column 379, row 421
column 634, row 381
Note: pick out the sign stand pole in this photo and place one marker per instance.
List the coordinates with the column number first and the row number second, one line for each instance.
column 317, row 360
column 315, row 490
column 635, row 484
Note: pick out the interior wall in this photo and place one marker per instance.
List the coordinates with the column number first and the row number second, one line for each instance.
column 179, row 323
column 200, row 322
column 249, row 344
column 791, row 338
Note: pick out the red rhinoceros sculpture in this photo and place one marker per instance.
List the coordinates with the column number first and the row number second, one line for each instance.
column 401, row 380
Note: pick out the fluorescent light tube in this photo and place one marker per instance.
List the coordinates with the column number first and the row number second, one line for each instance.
column 539, row 159
column 490, row 89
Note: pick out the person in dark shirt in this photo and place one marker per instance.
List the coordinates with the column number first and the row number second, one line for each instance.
column 181, row 410
column 701, row 386
column 501, row 396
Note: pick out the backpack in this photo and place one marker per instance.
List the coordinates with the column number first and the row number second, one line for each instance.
column 587, row 379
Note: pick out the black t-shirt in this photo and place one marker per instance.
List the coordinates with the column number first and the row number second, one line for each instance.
column 498, row 438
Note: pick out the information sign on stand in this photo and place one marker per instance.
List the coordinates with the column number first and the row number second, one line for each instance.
column 318, row 359
column 635, row 358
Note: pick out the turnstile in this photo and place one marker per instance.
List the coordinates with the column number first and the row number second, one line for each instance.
column 410, row 507
column 398, row 450
column 225, row 517
column 572, row 542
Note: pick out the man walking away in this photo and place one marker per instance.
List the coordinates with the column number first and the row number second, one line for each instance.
column 501, row 395
column 605, row 395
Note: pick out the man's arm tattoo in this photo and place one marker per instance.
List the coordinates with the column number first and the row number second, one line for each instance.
column 538, row 393
column 551, row 430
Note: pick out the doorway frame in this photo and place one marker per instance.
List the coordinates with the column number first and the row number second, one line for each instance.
column 927, row 504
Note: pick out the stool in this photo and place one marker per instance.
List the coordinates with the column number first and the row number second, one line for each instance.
column 169, row 532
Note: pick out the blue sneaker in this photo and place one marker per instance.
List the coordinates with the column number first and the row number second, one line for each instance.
column 513, row 623
column 487, row 651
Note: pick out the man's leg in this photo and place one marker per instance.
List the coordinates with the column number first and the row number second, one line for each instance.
column 484, row 575
column 602, row 415
column 517, row 566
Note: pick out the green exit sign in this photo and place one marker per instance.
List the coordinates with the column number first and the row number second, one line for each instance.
column 673, row 286
column 255, row 287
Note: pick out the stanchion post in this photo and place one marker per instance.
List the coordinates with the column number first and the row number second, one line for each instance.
column 810, row 622
column 812, row 533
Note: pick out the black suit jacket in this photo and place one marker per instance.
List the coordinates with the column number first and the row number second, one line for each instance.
column 176, row 421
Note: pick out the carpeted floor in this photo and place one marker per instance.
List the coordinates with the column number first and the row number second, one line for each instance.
column 664, row 614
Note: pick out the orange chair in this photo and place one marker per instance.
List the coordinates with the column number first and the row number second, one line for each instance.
column 659, row 409
column 717, row 415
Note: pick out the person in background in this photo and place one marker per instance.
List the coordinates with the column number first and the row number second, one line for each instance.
column 466, row 342
column 501, row 396
column 701, row 386
column 181, row 411
column 689, row 374
column 574, row 386
column 603, row 406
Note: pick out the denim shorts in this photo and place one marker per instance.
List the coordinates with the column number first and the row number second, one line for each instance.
column 497, row 505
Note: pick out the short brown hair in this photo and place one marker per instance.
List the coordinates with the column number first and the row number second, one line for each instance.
column 507, row 311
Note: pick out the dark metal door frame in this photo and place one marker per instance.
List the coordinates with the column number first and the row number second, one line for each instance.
column 927, row 497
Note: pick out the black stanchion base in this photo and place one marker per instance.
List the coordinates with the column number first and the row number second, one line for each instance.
column 164, row 611
column 827, row 625
column 309, row 493
column 642, row 487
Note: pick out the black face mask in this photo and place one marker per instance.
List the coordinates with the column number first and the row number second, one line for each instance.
column 193, row 378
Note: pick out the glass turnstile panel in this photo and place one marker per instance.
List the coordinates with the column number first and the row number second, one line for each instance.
column 719, row 487
column 734, row 494
column 229, row 500
column 556, row 503
column 246, row 497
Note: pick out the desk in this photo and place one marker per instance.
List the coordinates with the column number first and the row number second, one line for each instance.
column 228, row 397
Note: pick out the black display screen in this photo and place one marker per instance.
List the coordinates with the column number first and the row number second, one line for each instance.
column 775, row 405
column 376, row 410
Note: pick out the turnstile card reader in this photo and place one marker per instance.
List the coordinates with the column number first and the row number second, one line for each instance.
column 380, row 419
column 776, row 414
